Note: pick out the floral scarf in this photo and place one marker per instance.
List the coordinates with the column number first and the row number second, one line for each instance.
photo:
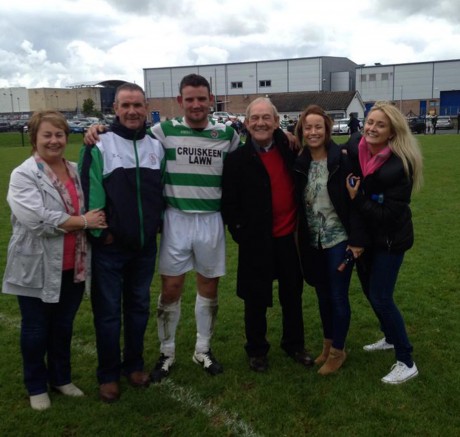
column 80, row 244
column 369, row 164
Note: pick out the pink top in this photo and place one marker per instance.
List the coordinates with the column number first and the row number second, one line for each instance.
column 70, row 238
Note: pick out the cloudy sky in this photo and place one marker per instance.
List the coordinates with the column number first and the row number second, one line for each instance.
column 55, row 43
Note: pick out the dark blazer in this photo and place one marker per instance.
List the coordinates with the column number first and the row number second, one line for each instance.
column 339, row 166
column 383, row 201
column 247, row 211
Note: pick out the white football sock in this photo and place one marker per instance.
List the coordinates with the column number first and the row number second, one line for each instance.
column 168, row 316
column 205, row 316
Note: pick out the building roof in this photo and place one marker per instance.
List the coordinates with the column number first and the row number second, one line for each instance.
column 112, row 83
column 297, row 102
column 263, row 61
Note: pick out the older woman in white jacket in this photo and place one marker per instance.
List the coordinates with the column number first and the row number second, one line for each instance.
column 47, row 256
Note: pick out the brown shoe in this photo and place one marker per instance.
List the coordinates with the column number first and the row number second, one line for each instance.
column 321, row 359
column 109, row 392
column 139, row 379
column 334, row 361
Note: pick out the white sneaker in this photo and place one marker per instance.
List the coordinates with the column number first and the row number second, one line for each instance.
column 40, row 402
column 69, row 390
column 400, row 373
column 380, row 345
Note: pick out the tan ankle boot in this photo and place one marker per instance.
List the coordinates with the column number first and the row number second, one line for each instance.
column 334, row 361
column 325, row 353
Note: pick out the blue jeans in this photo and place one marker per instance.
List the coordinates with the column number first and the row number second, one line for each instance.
column 121, row 284
column 378, row 274
column 332, row 293
column 46, row 330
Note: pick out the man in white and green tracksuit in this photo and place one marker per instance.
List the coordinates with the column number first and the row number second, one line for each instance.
column 193, row 236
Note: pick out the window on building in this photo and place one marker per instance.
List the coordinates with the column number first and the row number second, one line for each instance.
column 265, row 83
column 363, row 78
column 385, row 76
column 372, row 77
column 237, row 85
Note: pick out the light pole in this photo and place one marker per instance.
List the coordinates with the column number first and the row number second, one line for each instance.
column 5, row 95
column 76, row 97
column 19, row 106
column 12, row 107
column 400, row 98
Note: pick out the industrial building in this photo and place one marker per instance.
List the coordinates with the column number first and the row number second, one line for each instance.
column 235, row 85
column 20, row 102
column 417, row 88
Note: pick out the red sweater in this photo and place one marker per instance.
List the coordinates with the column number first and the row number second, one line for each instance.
column 284, row 207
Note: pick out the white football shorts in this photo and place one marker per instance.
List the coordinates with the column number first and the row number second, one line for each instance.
column 192, row 241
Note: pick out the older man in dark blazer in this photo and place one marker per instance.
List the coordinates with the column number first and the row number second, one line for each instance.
column 259, row 207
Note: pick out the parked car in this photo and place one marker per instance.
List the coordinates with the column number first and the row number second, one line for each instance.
column 444, row 122
column 340, row 127
column 4, row 126
column 18, row 126
column 224, row 116
column 77, row 128
column 417, row 124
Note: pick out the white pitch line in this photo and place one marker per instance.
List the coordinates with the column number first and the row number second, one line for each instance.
column 176, row 392
column 188, row 397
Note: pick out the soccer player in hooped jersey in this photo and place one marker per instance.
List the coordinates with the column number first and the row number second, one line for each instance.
column 193, row 234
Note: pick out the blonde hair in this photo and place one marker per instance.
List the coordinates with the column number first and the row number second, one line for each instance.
column 403, row 143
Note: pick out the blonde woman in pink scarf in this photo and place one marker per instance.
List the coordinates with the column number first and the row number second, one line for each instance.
column 391, row 166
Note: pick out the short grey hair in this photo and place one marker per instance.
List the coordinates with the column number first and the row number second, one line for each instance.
column 127, row 86
column 261, row 100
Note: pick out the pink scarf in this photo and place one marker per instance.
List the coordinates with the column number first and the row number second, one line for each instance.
column 80, row 244
column 370, row 163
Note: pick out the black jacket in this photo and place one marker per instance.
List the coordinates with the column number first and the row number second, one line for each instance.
column 383, row 201
column 339, row 166
column 247, row 211
column 122, row 175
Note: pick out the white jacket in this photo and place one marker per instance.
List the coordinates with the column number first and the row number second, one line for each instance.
column 35, row 251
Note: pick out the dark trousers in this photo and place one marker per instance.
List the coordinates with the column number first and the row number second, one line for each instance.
column 378, row 274
column 46, row 331
column 121, row 285
column 332, row 293
column 290, row 286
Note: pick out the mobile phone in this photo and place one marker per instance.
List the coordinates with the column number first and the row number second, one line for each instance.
column 348, row 258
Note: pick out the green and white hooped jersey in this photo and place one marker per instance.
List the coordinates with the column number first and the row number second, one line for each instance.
column 194, row 163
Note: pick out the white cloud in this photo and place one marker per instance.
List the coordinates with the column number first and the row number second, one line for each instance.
column 210, row 55
column 69, row 41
